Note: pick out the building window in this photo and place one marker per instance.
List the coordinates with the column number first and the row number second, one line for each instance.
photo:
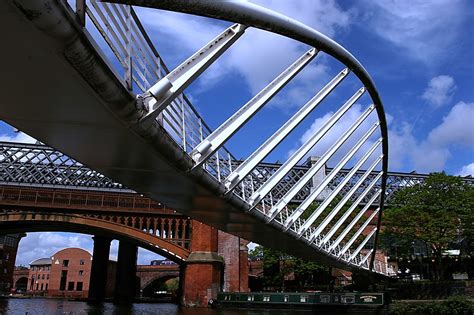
column 47, row 276
column 81, row 262
column 62, row 283
column 266, row 298
column 325, row 298
column 41, row 287
column 79, row 286
column 303, row 298
column 81, row 272
column 42, row 276
column 70, row 286
column 65, row 262
column 37, row 286
column 286, row 298
column 46, row 287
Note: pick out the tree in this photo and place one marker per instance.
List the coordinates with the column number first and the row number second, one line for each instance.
column 438, row 213
column 278, row 265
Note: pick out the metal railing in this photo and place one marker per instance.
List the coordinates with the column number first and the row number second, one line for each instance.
column 267, row 191
column 140, row 65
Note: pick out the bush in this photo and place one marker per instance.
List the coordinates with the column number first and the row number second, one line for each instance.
column 452, row 306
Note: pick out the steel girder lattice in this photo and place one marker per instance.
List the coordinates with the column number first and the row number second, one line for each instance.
column 38, row 165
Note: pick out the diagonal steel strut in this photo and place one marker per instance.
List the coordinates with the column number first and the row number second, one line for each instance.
column 168, row 88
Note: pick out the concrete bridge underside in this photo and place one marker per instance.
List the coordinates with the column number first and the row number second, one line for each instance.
column 61, row 91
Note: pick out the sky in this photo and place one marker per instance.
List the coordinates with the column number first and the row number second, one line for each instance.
column 420, row 55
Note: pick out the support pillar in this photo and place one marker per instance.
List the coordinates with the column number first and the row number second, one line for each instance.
column 100, row 262
column 234, row 250
column 202, row 275
column 125, row 280
column 244, row 266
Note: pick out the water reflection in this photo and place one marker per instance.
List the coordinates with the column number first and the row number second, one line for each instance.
column 39, row 306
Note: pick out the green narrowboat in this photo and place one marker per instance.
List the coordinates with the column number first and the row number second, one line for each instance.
column 309, row 299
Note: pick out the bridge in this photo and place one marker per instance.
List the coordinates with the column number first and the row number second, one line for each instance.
column 43, row 189
column 98, row 91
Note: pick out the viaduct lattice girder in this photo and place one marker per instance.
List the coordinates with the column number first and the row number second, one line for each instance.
column 38, row 165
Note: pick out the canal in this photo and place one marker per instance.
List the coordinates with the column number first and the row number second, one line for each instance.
column 39, row 306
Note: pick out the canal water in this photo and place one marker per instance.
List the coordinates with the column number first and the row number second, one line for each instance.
column 39, row 306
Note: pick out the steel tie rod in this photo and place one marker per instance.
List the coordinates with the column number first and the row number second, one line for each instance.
column 351, row 209
column 344, row 200
column 314, row 168
column 312, row 196
column 251, row 162
column 217, row 138
column 350, row 226
column 358, row 233
column 366, row 257
column 304, row 149
column 359, row 248
column 336, row 191
column 165, row 90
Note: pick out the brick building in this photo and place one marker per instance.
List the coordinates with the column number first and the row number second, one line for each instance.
column 8, row 248
column 65, row 274
column 38, row 277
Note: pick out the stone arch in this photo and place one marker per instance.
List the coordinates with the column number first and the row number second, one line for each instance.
column 27, row 221
column 21, row 283
column 152, row 285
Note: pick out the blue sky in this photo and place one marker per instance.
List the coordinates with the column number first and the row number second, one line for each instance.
column 419, row 53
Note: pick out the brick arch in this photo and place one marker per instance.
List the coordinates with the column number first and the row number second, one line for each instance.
column 17, row 281
column 163, row 277
column 28, row 221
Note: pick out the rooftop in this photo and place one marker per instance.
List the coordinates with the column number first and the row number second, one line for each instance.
column 41, row 262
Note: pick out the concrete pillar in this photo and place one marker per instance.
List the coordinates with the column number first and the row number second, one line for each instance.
column 125, row 280
column 202, row 274
column 100, row 262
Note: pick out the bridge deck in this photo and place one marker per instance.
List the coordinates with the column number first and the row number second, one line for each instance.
column 61, row 91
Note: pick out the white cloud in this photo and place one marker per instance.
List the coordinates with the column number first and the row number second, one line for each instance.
column 424, row 30
column 457, row 127
column 467, row 170
column 45, row 244
column 432, row 153
column 405, row 150
column 258, row 56
column 439, row 91
column 401, row 143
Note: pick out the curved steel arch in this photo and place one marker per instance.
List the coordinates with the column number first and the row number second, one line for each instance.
column 251, row 15
column 30, row 221
column 200, row 192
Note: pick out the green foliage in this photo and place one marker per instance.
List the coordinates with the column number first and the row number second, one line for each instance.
column 172, row 285
column 452, row 306
column 437, row 213
column 277, row 265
